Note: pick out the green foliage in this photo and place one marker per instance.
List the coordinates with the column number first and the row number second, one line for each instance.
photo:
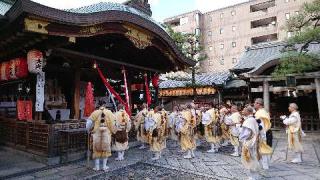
column 306, row 29
column 296, row 63
column 188, row 44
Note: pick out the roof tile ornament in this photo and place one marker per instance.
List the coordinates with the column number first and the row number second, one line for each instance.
column 141, row 5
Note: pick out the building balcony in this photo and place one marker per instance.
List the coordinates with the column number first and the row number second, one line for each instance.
column 264, row 38
column 264, row 26
column 262, row 7
column 270, row 29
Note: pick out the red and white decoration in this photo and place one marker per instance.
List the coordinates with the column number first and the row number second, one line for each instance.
column 24, row 110
column 14, row 69
column 35, row 61
column 89, row 101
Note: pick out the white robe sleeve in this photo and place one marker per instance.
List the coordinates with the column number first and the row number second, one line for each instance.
column 245, row 133
column 89, row 124
column 290, row 120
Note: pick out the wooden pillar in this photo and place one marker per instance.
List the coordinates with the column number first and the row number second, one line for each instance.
column 266, row 95
column 76, row 94
column 220, row 100
column 317, row 82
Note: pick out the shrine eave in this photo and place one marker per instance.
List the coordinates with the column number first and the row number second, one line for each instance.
column 37, row 18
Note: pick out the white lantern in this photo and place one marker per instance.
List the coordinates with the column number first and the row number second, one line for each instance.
column 35, row 61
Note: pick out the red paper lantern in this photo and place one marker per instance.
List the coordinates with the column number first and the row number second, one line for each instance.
column 21, row 68
column 14, row 69
column 5, row 71
column 11, row 70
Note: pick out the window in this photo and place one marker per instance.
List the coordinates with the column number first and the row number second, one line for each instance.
column 234, row 60
column 233, row 28
column 210, row 33
column 286, row 1
column 222, row 61
column 210, row 48
column 184, row 20
column 221, row 30
column 210, row 18
column 221, row 46
column 289, row 34
column 197, row 31
column 297, row 12
column 221, row 15
column 287, row 16
column 233, row 13
column 234, row 44
column 210, row 63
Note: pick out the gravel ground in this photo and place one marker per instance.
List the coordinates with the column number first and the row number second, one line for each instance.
column 148, row 172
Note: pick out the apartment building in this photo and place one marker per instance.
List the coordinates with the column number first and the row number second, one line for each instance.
column 226, row 32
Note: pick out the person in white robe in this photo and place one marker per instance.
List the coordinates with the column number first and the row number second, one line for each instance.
column 294, row 131
column 249, row 137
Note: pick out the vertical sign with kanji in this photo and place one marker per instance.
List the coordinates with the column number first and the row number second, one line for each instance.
column 40, row 92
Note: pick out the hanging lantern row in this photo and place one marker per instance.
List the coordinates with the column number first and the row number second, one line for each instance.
column 14, row 69
column 19, row 67
column 186, row 91
column 206, row 90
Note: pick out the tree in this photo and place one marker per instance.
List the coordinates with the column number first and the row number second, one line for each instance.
column 305, row 27
column 189, row 45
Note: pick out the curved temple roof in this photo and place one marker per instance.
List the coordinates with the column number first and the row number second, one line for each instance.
column 110, row 6
column 94, row 15
column 261, row 56
column 204, row 79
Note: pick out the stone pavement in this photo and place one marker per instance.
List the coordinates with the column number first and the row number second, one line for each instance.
column 204, row 166
column 13, row 162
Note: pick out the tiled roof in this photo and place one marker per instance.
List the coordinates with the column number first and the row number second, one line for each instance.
column 258, row 55
column 110, row 6
column 235, row 83
column 205, row 79
column 4, row 7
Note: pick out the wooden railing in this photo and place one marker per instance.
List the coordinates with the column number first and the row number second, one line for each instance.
column 41, row 138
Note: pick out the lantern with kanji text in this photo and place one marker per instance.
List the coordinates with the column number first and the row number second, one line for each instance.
column 35, row 61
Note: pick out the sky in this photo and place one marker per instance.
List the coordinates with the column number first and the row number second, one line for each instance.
column 161, row 8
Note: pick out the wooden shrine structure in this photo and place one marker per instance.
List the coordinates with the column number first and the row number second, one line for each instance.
column 116, row 36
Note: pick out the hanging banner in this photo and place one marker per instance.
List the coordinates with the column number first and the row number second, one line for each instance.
column 20, row 110
column 155, row 80
column 28, row 109
column 148, row 95
column 126, row 91
column 24, row 110
column 40, row 92
column 108, row 86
